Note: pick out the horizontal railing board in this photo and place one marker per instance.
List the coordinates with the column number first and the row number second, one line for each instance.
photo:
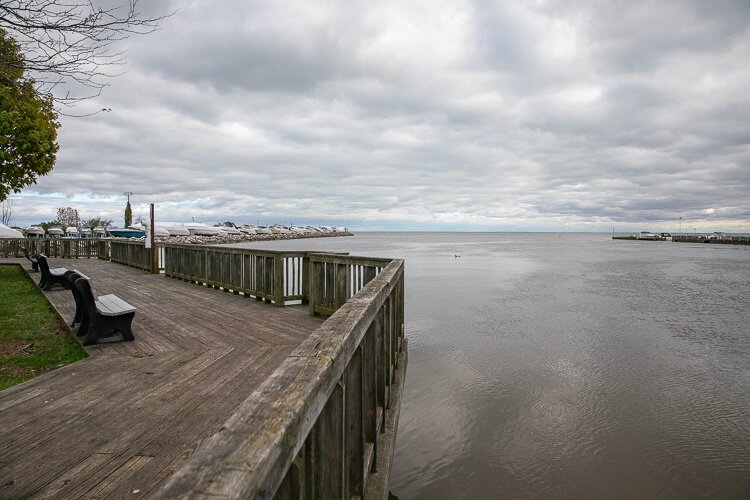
column 349, row 260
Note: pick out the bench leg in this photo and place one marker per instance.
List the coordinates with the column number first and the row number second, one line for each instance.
column 56, row 280
column 102, row 324
column 83, row 328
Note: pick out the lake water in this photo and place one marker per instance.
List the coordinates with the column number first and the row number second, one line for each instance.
column 569, row 365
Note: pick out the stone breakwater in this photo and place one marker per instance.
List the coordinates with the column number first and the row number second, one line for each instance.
column 231, row 238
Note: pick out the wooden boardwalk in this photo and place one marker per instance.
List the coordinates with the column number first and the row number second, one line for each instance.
column 119, row 422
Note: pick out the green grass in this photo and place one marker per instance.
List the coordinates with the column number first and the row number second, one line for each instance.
column 33, row 339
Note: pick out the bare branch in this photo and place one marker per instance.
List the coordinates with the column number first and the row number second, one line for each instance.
column 72, row 41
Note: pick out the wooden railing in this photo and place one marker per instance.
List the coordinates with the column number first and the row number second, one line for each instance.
column 130, row 253
column 277, row 277
column 61, row 248
column 334, row 279
column 324, row 423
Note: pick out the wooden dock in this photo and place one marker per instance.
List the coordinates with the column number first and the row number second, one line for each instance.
column 121, row 421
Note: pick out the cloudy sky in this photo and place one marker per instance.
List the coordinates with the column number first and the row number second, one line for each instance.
column 422, row 114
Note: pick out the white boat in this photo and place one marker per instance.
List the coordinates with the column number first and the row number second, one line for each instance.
column 72, row 232
column 279, row 230
column 6, row 232
column 99, row 232
column 159, row 232
column 262, row 230
column 34, row 232
column 200, row 229
column 174, row 228
column 233, row 231
column 55, row 231
column 248, row 229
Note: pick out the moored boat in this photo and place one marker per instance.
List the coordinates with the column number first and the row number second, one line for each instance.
column 201, row 229
column 34, row 232
column 126, row 233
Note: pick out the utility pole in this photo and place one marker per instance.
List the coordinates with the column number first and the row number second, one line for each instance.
column 152, row 252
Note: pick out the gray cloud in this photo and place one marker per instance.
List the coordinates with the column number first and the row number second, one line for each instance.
column 538, row 115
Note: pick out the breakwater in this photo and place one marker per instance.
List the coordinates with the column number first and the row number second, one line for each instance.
column 232, row 238
column 691, row 238
column 721, row 240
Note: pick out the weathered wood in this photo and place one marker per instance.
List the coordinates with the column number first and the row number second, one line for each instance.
column 198, row 355
column 251, row 454
column 330, row 446
column 52, row 247
column 370, row 396
column 354, row 425
column 377, row 484
column 278, row 280
column 275, row 440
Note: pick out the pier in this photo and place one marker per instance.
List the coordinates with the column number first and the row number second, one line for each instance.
column 253, row 374
column 692, row 238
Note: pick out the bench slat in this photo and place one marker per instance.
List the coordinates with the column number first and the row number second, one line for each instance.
column 112, row 305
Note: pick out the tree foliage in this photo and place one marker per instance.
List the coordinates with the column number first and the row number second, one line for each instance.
column 97, row 222
column 128, row 215
column 28, row 124
column 68, row 217
column 73, row 42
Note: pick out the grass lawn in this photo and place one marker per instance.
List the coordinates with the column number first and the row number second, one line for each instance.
column 33, row 339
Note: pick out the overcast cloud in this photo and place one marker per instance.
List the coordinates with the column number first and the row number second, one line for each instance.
column 431, row 114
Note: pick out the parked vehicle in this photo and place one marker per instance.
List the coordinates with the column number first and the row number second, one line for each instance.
column 647, row 235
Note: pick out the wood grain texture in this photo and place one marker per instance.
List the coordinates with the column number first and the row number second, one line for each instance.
column 305, row 402
column 132, row 413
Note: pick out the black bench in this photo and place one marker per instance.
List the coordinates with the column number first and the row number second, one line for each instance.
column 34, row 263
column 80, row 320
column 51, row 277
column 108, row 313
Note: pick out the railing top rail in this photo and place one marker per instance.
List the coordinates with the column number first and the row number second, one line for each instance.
column 249, row 456
column 129, row 241
column 286, row 253
column 335, row 258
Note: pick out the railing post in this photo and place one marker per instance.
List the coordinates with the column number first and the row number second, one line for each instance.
column 313, row 285
column 278, row 279
column 305, row 279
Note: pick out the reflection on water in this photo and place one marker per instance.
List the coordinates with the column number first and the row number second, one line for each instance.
column 569, row 366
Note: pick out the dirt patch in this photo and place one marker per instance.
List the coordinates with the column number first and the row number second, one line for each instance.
column 12, row 370
column 15, row 348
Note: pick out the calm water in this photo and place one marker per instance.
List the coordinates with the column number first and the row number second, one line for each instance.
column 569, row 366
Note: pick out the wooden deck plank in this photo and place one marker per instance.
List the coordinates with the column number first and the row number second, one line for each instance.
column 126, row 417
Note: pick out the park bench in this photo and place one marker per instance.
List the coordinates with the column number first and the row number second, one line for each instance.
column 51, row 277
column 80, row 320
column 34, row 262
column 102, row 315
